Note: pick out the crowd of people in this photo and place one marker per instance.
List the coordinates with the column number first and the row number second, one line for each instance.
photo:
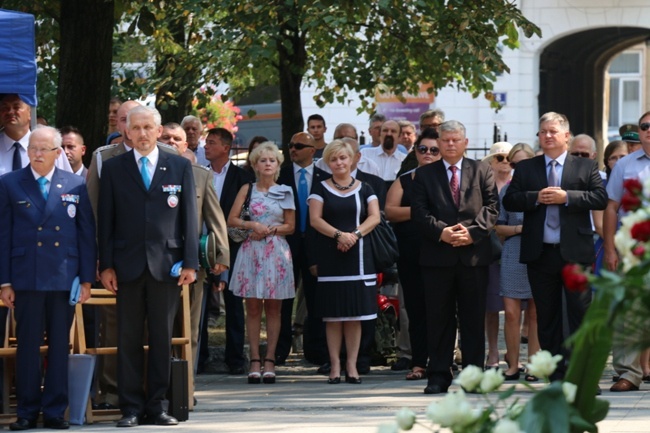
column 475, row 237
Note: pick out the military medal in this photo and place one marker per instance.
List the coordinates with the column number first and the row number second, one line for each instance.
column 72, row 210
column 172, row 200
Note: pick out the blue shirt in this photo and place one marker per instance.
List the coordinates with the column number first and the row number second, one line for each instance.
column 552, row 236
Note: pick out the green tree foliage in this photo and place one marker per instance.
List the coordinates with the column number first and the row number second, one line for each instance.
column 338, row 46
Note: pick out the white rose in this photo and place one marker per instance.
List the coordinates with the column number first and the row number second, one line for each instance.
column 543, row 364
column 492, row 380
column 506, row 426
column 569, row 390
column 388, row 428
column 515, row 410
column 453, row 411
column 405, row 418
column 469, row 378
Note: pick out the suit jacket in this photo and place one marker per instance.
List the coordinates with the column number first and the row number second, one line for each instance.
column 378, row 186
column 433, row 209
column 209, row 211
column 585, row 192
column 44, row 245
column 140, row 228
column 102, row 155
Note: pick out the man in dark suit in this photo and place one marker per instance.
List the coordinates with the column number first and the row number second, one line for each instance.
column 228, row 180
column 302, row 169
column 43, row 247
column 556, row 191
column 147, row 224
column 455, row 202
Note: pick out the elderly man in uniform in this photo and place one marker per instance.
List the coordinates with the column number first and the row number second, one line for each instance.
column 47, row 242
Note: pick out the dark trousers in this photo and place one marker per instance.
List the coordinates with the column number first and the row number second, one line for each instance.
column 545, row 276
column 36, row 312
column 314, row 341
column 155, row 303
column 410, row 276
column 449, row 291
column 235, row 329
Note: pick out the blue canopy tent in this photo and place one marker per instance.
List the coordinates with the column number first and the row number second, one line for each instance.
column 18, row 56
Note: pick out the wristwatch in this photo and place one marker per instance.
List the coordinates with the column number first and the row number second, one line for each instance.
column 357, row 232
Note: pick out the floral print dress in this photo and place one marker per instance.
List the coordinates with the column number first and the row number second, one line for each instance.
column 263, row 269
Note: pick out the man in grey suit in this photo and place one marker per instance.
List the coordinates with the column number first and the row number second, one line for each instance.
column 455, row 203
column 556, row 191
column 147, row 226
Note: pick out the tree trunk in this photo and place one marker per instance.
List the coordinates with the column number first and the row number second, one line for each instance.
column 85, row 68
column 291, row 68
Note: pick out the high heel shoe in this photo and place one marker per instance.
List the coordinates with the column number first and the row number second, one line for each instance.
column 521, row 368
column 353, row 380
column 334, row 380
column 255, row 377
column 269, row 376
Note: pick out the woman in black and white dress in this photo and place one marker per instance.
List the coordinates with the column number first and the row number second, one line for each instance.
column 343, row 211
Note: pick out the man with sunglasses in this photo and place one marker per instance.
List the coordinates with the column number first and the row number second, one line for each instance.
column 557, row 192
column 636, row 165
column 584, row 146
column 300, row 175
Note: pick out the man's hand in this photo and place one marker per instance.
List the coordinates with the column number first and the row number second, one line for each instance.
column 188, row 276
column 313, row 270
column 552, row 195
column 218, row 269
column 109, row 280
column 219, row 287
column 611, row 259
column 85, row 293
column 457, row 236
column 8, row 296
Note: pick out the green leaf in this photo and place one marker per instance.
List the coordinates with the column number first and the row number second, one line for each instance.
column 550, row 400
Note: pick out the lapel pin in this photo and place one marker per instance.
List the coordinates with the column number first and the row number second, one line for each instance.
column 58, row 185
column 163, row 168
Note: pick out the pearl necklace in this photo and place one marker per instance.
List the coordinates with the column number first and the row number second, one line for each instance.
column 343, row 188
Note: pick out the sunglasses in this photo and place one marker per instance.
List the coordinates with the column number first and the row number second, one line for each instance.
column 500, row 158
column 581, row 154
column 644, row 126
column 422, row 150
column 299, row 146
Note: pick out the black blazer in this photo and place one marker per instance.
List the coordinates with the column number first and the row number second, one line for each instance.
column 378, row 186
column 584, row 186
column 140, row 228
column 287, row 178
column 433, row 209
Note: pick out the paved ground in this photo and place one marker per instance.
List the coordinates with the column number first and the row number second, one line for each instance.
column 301, row 401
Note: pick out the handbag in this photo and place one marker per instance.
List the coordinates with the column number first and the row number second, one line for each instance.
column 495, row 245
column 384, row 245
column 238, row 234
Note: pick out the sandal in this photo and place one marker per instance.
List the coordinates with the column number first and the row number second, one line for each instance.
column 255, row 377
column 521, row 368
column 530, row 378
column 269, row 376
column 416, row 374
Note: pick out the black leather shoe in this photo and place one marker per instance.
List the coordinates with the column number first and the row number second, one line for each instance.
column 325, row 368
column 334, row 380
column 353, row 380
column 434, row 388
column 401, row 364
column 104, row 406
column 22, row 424
column 128, row 421
column 56, row 423
column 164, row 419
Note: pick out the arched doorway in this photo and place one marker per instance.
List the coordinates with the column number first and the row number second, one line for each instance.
column 571, row 74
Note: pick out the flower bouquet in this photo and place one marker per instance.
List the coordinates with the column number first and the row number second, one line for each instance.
column 620, row 301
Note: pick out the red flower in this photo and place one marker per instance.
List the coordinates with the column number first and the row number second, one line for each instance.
column 638, row 251
column 633, row 186
column 574, row 279
column 641, row 231
column 630, row 202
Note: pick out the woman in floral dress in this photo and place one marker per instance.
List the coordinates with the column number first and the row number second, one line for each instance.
column 263, row 273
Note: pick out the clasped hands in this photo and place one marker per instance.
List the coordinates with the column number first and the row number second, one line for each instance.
column 346, row 241
column 260, row 231
column 456, row 236
column 552, row 195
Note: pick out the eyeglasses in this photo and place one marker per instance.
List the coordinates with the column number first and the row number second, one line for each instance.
column 500, row 158
column 40, row 150
column 581, row 154
column 644, row 126
column 422, row 150
column 299, row 146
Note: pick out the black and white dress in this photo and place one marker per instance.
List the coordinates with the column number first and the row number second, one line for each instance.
column 347, row 281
